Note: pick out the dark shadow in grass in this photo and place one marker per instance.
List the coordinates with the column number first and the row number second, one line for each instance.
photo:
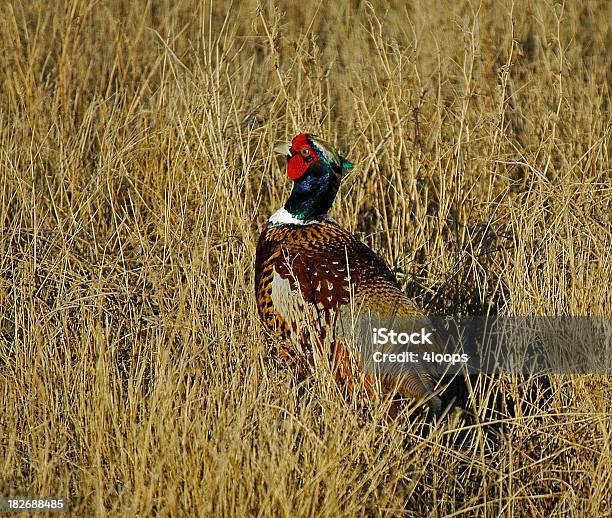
column 483, row 399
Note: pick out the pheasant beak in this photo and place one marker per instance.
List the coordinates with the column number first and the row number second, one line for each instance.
column 283, row 148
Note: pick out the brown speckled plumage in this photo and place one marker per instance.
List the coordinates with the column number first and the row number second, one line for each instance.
column 331, row 268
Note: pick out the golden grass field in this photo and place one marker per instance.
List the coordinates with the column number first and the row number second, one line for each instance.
column 136, row 170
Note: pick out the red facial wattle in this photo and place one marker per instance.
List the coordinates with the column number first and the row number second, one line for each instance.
column 303, row 156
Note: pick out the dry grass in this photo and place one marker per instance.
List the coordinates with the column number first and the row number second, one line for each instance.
column 136, row 168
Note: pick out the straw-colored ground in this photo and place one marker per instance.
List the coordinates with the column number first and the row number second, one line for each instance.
column 136, row 169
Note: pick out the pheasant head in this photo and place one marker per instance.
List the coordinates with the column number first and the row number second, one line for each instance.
column 316, row 169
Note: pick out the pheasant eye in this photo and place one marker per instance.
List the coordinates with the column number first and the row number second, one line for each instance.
column 305, row 152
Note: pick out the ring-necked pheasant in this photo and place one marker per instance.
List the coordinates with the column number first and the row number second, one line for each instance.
column 314, row 281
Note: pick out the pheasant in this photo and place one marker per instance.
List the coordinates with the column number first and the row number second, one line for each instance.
column 317, row 286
